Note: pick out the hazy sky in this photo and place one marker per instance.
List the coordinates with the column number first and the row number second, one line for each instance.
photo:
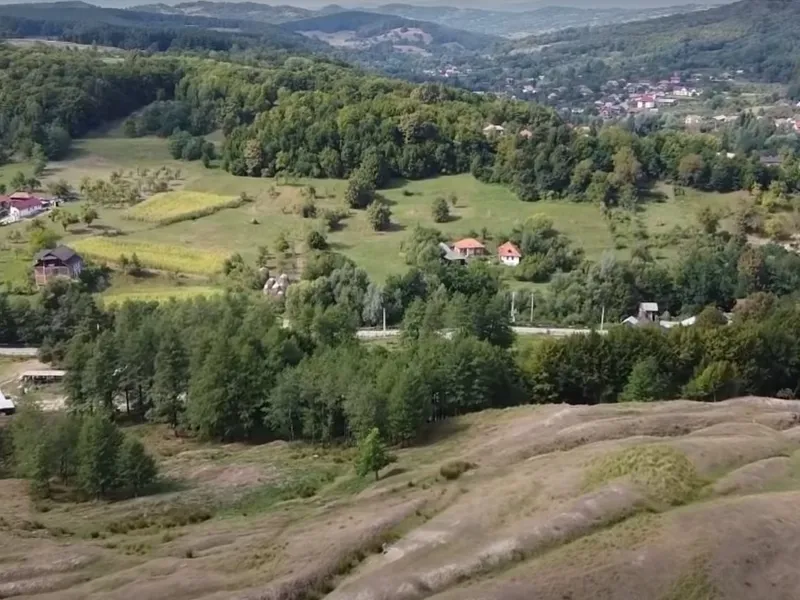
column 488, row 4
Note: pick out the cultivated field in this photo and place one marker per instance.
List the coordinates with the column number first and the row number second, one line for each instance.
column 667, row 501
column 182, row 205
column 165, row 257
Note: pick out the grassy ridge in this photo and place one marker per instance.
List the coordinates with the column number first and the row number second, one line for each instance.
column 165, row 257
column 176, row 206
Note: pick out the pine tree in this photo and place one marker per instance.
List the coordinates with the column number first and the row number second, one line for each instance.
column 372, row 454
column 208, row 400
column 137, row 469
column 646, row 382
column 42, row 471
column 100, row 377
column 170, row 381
column 98, row 450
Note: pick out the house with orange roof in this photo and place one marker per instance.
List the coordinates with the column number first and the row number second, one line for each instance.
column 509, row 254
column 469, row 247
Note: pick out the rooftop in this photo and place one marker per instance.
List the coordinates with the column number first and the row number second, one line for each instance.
column 509, row 249
column 468, row 244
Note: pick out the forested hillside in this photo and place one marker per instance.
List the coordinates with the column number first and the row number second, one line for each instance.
column 88, row 24
column 755, row 36
column 368, row 25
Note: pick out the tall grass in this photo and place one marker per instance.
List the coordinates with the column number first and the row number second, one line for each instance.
column 164, row 257
column 176, row 206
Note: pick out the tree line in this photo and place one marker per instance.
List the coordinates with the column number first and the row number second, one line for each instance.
column 757, row 354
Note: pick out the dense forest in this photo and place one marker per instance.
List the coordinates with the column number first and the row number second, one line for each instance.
column 310, row 117
column 49, row 97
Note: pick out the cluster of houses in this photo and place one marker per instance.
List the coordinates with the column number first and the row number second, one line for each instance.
column 23, row 205
column 649, row 315
column 469, row 248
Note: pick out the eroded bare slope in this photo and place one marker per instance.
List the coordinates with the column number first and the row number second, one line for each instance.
column 665, row 501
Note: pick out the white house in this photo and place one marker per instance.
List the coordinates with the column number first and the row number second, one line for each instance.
column 23, row 208
column 509, row 254
column 494, row 130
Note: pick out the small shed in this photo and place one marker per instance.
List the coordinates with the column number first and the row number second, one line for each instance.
column 648, row 311
column 450, row 255
column 6, row 405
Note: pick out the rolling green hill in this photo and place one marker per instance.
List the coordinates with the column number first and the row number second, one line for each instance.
column 89, row 24
column 756, row 37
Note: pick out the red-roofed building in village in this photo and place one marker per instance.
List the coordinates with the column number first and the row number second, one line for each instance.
column 21, row 208
column 509, row 254
column 646, row 101
column 469, row 247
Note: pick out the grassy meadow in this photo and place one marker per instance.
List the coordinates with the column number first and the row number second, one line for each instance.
column 197, row 224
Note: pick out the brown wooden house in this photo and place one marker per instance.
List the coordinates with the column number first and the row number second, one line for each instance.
column 60, row 261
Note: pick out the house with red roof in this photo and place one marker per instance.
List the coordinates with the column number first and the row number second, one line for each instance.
column 469, row 247
column 645, row 101
column 509, row 254
column 22, row 208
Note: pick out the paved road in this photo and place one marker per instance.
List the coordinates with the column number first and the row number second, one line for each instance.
column 21, row 352
column 376, row 334
column 363, row 334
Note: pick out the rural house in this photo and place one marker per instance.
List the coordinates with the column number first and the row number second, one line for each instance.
column 60, row 261
column 509, row 254
column 492, row 130
column 21, row 207
column 469, row 247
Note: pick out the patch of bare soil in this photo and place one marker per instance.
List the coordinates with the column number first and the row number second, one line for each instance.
column 560, row 504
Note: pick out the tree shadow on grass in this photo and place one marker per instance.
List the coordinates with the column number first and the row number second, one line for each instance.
column 396, row 184
column 436, row 432
column 393, row 472
column 338, row 246
column 394, row 227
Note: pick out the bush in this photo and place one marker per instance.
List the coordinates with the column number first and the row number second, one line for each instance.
column 440, row 211
column 379, row 216
column 332, row 218
column 316, row 240
column 455, row 469
column 664, row 473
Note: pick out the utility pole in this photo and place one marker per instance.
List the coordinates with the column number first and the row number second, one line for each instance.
column 513, row 295
column 531, row 308
column 384, row 319
column 603, row 318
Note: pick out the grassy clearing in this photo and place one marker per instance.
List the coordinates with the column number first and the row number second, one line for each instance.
column 666, row 474
column 172, row 207
column 166, row 257
column 157, row 294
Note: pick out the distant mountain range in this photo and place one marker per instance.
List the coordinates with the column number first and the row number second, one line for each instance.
column 488, row 22
column 538, row 20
